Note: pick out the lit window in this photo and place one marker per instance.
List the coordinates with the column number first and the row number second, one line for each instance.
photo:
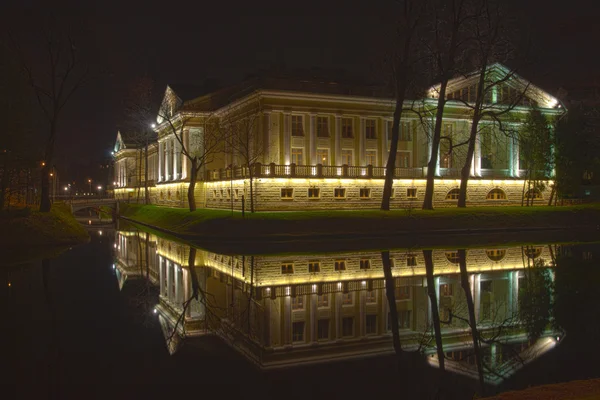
column 365, row 263
column 340, row 265
column 453, row 194
column 297, row 127
column 365, row 193
column 298, row 303
column 323, row 156
column 371, row 324
column 347, row 299
column 314, row 266
column 403, row 159
column 347, row 156
column 411, row 193
column 405, row 132
column 287, row 193
column 347, row 128
column 323, row 300
column 411, row 260
column 370, row 131
column 339, row 193
column 298, row 331
column 496, row 194
column 322, row 127
column 348, row 326
column 313, row 193
column 297, row 156
column 287, row 268
column 371, row 297
column 323, row 329
column 371, row 157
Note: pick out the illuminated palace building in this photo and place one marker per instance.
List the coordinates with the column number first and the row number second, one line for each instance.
column 284, row 310
column 320, row 143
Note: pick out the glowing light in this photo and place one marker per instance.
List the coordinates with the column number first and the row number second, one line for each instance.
column 115, row 245
column 43, row 164
column 89, row 221
column 153, row 126
column 100, row 233
column 113, row 266
column 154, row 311
column 9, row 284
column 558, row 338
column 51, row 174
column 66, row 188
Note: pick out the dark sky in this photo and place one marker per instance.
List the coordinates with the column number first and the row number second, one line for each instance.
column 175, row 41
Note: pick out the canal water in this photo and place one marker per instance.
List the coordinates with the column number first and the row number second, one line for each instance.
column 132, row 314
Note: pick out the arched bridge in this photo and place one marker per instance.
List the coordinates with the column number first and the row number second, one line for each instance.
column 91, row 202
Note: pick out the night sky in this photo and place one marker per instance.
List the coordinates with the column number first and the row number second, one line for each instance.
column 188, row 43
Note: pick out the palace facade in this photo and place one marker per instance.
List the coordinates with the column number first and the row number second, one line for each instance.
column 295, row 309
column 316, row 143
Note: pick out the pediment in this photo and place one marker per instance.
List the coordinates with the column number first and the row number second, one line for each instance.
column 505, row 87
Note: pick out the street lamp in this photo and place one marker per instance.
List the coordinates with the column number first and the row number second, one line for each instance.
column 153, row 126
column 99, row 190
column 90, row 183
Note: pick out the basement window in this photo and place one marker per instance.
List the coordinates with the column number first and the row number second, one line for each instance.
column 313, row 193
column 339, row 193
column 314, row 266
column 411, row 193
column 287, row 268
column 340, row 265
column 287, row 193
column 365, row 193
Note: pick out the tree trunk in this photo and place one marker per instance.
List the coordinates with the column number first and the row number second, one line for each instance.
column 45, row 204
column 427, row 254
column 390, row 167
column 435, row 147
column 391, row 296
column 192, row 187
column 464, row 279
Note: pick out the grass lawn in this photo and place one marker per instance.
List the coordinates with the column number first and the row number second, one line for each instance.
column 222, row 223
column 58, row 227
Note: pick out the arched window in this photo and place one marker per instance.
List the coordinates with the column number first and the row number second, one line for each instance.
column 496, row 254
column 496, row 194
column 533, row 252
column 453, row 194
column 533, row 194
column 452, row 256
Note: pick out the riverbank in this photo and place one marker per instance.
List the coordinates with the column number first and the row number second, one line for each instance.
column 218, row 225
column 576, row 390
column 35, row 229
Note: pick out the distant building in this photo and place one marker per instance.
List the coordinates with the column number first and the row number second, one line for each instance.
column 322, row 143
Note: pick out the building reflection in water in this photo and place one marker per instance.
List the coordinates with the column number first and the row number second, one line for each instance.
column 284, row 310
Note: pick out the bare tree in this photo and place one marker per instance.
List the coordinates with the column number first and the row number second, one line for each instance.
column 245, row 141
column 401, row 63
column 490, row 42
column 429, row 269
column 140, row 111
column 200, row 139
column 53, row 83
column 443, row 44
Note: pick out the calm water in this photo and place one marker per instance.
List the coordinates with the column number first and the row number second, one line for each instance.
column 104, row 319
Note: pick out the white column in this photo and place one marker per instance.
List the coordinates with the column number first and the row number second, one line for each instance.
column 312, row 140
column 176, row 159
column 168, row 161
column 338, row 140
column 338, row 315
column 267, row 156
column 515, row 157
column 287, row 320
column 313, row 317
column 361, row 142
column 384, row 143
column 169, row 265
column 475, row 288
column 476, row 164
column 362, row 305
column 184, row 160
column 287, row 137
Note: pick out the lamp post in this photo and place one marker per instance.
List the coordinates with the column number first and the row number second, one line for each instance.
column 90, row 183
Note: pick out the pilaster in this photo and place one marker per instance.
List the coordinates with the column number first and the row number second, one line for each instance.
column 287, row 137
